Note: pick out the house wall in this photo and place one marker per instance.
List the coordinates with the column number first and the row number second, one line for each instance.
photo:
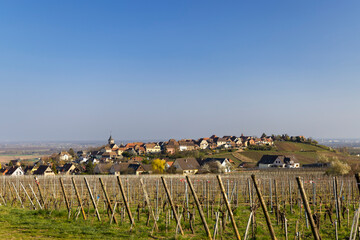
column 183, row 148
column 153, row 150
column 264, row 165
column 18, row 172
column 65, row 157
column 170, row 150
column 204, row 145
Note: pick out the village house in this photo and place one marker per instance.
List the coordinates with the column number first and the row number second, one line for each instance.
column 14, row 171
column 214, row 137
column 237, row 141
column 220, row 142
column 140, row 150
column 186, row 165
column 126, row 168
column 106, row 149
column 15, row 162
column 168, row 165
column 81, row 153
column 44, row 170
column 29, row 170
column 3, row 171
column 134, row 145
column 83, row 159
column 147, row 168
column 223, row 164
column 64, row 156
column 203, row 143
column 120, row 150
column 102, row 168
column 152, row 148
column 229, row 144
column 132, row 151
column 264, row 141
column 108, row 156
column 186, row 145
column 212, row 145
column 171, row 146
column 68, row 169
column 277, row 161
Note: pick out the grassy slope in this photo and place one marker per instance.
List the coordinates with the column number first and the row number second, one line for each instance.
column 27, row 224
column 39, row 224
column 304, row 153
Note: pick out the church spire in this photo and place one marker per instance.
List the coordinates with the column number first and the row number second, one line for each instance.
column 111, row 140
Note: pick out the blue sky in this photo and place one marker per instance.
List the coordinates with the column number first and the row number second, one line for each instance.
column 76, row 70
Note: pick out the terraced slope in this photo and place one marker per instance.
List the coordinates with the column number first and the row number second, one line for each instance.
column 304, row 153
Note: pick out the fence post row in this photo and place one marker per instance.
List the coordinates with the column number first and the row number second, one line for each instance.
column 229, row 208
column 108, row 201
column 272, row 191
column 263, row 205
column 199, row 207
column 171, row 204
column 308, row 210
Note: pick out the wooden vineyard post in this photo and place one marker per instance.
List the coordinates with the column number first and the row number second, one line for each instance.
column 149, row 203
column 79, row 199
column 40, row 193
column 17, row 195
column 22, row 186
column 199, row 207
column 171, row 204
column 37, row 200
column 92, row 199
column 276, row 203
column 2, row 198
column 308, row 210
column 65, row 197
column 108, row 201
column 290, row 197
column 263, row 205
column 125, row 200
column 229, row 208
column 337, row 201
column 248, row 225
column 357, row 176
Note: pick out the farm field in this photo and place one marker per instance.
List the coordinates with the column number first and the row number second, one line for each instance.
column 8, row 158
column 22, row 218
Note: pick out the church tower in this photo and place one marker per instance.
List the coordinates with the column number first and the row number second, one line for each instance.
column 111, row 140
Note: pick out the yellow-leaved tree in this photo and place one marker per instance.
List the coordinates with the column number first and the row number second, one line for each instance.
column 158, row 165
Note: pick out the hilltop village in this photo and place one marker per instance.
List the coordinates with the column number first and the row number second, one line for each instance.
column 186, row 156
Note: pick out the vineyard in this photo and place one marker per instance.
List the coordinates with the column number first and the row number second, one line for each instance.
column 251, row 205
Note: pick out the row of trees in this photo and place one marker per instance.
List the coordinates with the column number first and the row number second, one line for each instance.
column 286, row 137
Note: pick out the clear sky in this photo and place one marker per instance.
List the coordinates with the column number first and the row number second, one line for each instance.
column 76, row 70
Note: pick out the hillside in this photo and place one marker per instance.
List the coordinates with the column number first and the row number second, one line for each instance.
column 304, row 153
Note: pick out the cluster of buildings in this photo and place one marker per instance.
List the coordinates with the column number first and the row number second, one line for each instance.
column 128, row 159
column 38, row 169
column 180, row 166
column 112, row 152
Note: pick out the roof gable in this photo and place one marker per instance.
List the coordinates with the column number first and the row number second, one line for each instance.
column 187, row 163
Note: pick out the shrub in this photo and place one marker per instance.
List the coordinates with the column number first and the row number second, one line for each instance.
column 338, row 168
